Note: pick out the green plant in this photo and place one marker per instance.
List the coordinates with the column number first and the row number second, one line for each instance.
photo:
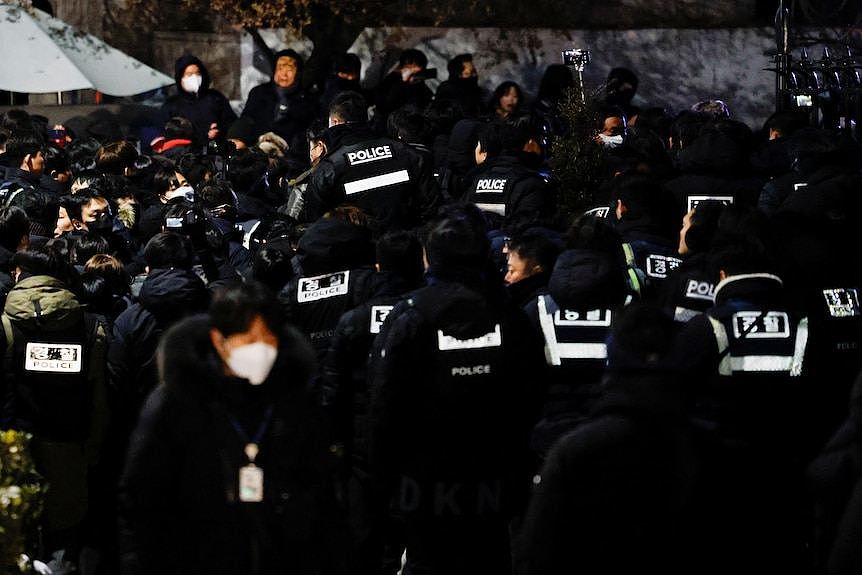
column 577, row 160
column 21, row 500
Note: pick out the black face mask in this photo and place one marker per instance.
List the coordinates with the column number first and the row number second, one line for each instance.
column 101, row 225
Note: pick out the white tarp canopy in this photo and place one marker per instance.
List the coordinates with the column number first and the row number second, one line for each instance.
column 41, row 54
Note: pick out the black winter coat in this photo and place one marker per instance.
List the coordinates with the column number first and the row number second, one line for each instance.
column 612, row 494
column 505, row 187
column 204, row 108
column 391, row 181
column 167, row 296
column 454, row 393
column 179, row 505
column 262, row 107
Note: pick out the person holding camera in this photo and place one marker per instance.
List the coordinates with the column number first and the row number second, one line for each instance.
column 404, row 86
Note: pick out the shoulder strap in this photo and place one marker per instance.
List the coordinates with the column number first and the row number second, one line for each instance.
column 633, row 273
column 9, row 354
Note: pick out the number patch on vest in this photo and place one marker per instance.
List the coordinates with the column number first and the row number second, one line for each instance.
column 842, row 302
column 772, row 325
column 659, row 266
column 53, row 357
column 322, row 287
column 593, row 318
column 378, row 316
column 490, row 339
column 693, row 201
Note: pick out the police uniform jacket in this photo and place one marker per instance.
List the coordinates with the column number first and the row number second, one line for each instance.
column 384, row 177
column 503, row 186
column 746, row 359
column 345, row 368
column 575, row 319
column 690, row 289
column 453, row 396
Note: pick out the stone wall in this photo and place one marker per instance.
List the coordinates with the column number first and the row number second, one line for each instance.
column 677, row 67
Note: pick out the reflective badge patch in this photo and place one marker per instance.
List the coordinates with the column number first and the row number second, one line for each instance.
column 600, row 213
column 693, row 201
column 772, row 325
column 374, row 182
column 53, row 357
column 369, row 155
column 491, row 185
column 842, row 302
column 378, row 316
column 700, row 290
column 593, row 318
column 449, row 343
column 322, row 287
column 659, row 266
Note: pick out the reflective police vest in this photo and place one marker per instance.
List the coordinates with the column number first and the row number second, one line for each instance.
column 574, row 336
column 763, row 342
column 656, row 261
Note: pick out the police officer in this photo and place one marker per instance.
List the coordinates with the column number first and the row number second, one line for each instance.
column 746, row 357
column 690, row 289
column 53, row 381
column 636, row 205
column 387, row 179
column 399, row 270
column 336, row 275
column 587, row 285
column 453, row 397
column 502, row 186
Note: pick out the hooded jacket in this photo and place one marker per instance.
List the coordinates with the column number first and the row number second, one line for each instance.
column 167, row 296
column 180, row 508
column 204, row 108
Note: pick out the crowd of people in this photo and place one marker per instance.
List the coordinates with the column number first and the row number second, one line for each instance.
column 351, row 331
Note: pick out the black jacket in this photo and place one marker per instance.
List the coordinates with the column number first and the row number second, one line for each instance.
column 574, row 319
column 454, row 393
column 204, row 108
column 506, row 188
column 388, row 179
column 179, row 505
column 263, row 108
column 612, row 494
column 345, row 367
column 167, row 296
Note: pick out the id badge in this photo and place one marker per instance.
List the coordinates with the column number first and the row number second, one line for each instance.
column 250, row 484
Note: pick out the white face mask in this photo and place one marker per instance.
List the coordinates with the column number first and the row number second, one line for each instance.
column 611, row 141
column 192, row 83
column 253, row 361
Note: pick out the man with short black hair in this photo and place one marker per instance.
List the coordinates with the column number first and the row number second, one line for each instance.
column 14, row 237
column 25, row 166
column 386, row 178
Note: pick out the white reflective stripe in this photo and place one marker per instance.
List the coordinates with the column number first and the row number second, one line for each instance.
column 490, row 339
column 380, row 181
column 724, row 367
column 761, row 363
column 499, row 209
column 799, row 349
column 552, row 351
column 682, row 314
column 582, row 350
